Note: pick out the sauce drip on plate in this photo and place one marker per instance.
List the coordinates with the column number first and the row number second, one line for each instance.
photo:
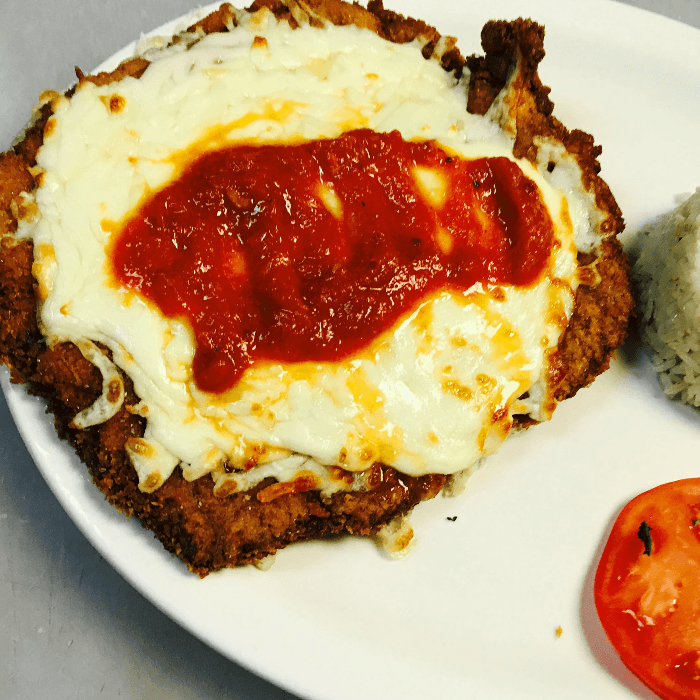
column 308, row 252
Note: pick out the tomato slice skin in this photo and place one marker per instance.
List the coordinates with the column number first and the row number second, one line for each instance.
column 649, row 604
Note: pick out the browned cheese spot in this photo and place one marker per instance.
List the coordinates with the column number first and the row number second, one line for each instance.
column 116, row 104
column 114, row 390
column 48, row 96
column 254, row 453
column 588, row 276
column 251, row 462
column 140, row 447
column 486, row 384
column 404, row 540
column 559, row 320
column 23, row 209
column 499, row 414
column 137, row 409
column 228, row 488
column 47, row 252
column 152, row 481
column 303, row 481
column 338, row 474
column 365, row 454
column 49, row 128
column 498, row 294
column 460, row 391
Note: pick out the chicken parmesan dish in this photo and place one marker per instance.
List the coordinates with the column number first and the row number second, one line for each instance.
column 300, row 267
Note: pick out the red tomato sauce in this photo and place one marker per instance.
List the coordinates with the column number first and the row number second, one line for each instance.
column 243, row 248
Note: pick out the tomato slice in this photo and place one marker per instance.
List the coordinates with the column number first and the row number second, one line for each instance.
column 647, row 588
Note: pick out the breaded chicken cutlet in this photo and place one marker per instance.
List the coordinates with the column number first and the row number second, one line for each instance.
column 210, row 530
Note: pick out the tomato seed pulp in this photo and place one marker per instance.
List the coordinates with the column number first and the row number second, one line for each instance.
column 307, row 252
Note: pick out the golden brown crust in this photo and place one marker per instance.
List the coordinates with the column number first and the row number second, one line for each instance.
column 14, row 179
column 218, row 21
column 602, row 307
column 132, row 68
column 518, row 47
column 29, row 146
column 210, row 532
column 207, row 531
column 598, row 326
column 19, row 335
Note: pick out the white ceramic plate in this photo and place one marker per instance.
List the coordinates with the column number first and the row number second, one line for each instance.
column 472, row 612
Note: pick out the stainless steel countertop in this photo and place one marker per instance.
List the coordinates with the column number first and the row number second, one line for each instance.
column 71, row 626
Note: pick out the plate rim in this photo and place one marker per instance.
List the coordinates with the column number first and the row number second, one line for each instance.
column 16, row 398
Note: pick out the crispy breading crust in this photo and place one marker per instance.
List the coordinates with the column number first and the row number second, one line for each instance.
column 603, row 301
column 211, row 532
column 523, row 40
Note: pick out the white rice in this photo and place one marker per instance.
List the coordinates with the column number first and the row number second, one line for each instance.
column 667, row 274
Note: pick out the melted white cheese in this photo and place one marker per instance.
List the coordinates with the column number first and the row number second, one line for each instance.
column 434, row 394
